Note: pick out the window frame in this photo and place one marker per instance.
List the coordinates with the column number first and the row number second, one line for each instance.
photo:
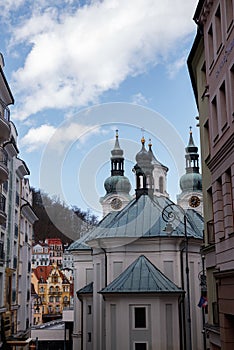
column 146, row 308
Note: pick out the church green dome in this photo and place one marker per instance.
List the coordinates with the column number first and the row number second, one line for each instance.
column 117, row 183
column 191, row 182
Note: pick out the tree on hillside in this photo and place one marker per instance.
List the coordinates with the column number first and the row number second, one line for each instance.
column 56, row 219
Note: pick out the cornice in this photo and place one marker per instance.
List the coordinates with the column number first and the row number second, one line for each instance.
column 221, row 155
column 203, row 11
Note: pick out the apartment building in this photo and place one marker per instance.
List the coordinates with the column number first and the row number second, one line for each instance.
column 211, row 67
column 16, row 225
column 40, row 255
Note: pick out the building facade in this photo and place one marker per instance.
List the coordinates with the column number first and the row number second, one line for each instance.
column 211, row 66
column 53, row 290
column 40, row 255
column 16, row 230
column 55, row 250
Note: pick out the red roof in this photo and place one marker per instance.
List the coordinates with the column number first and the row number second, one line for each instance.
column 42, row 272
column 53, row 241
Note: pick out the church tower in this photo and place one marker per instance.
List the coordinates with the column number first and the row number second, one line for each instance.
column 143, row 171
column 191, row 182
column 117, row 185
column 159, row 175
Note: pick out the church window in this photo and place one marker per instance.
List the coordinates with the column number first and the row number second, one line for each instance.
column 161, row 184
column 140, row 346
column 140, row 317
column 89, row 309
column 89, row 337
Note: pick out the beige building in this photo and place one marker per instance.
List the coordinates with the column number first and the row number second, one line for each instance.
column 53, row 293
column 211, row 66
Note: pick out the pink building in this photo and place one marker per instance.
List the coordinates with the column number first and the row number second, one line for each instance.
column 211, row 66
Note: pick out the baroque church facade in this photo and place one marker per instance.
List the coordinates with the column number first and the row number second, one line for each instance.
column 136, row 274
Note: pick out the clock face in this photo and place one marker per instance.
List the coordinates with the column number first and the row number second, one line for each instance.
column 194, row 202
column 116, row 203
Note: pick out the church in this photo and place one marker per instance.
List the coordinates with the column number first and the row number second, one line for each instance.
column 136, row 274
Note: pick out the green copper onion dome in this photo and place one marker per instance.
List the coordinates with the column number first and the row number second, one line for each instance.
column 117, row 182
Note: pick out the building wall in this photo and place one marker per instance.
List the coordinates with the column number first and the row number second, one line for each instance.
column 120, row 330
column 163, row 253
column 215, row 20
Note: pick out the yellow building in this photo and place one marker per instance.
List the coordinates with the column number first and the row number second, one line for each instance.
column 53, row 292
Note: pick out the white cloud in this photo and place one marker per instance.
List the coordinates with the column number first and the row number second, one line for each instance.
column 76, row 56
column 37, row 137
column 139, row 99
column 173, row 68
column 58, row 138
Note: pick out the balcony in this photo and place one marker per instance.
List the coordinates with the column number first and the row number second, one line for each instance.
column 3, row 165
column 4, row 124
column 2, row 209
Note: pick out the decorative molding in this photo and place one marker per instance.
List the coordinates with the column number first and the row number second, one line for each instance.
column 222, row 154
column 205, row 11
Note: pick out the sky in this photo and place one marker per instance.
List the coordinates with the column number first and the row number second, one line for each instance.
column 79, row 70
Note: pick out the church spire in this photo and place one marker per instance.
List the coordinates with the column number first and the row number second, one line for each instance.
column 191, row 181
column 191, row 156
column 117, row 159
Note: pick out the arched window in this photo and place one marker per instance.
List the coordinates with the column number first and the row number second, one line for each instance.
column 161, row 184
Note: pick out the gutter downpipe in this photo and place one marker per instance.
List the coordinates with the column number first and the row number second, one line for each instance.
column 105, row 282
column 82, row 326
column 182, row 300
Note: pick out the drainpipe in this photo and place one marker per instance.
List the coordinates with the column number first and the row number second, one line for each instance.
column 182, row 301
column 82, row 315
column 105, row 282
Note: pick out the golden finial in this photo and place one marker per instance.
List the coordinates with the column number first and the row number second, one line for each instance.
column 190, row 130
column 143, row 137
column 150, row 143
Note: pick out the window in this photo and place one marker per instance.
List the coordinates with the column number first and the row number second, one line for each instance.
column 218, row 31
column 232, row 89
column 140, row 317
column 229, row 13
column 89, row 309
column 223, row 106
column 89, row 337
column 210, row 46
column 214, row 118
column 161, row 184
column 140, row 346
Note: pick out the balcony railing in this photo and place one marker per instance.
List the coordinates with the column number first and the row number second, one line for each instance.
column 55, row 293
column 3, row 156
column 2, row 202
column 210, row 232
column 2, row 209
